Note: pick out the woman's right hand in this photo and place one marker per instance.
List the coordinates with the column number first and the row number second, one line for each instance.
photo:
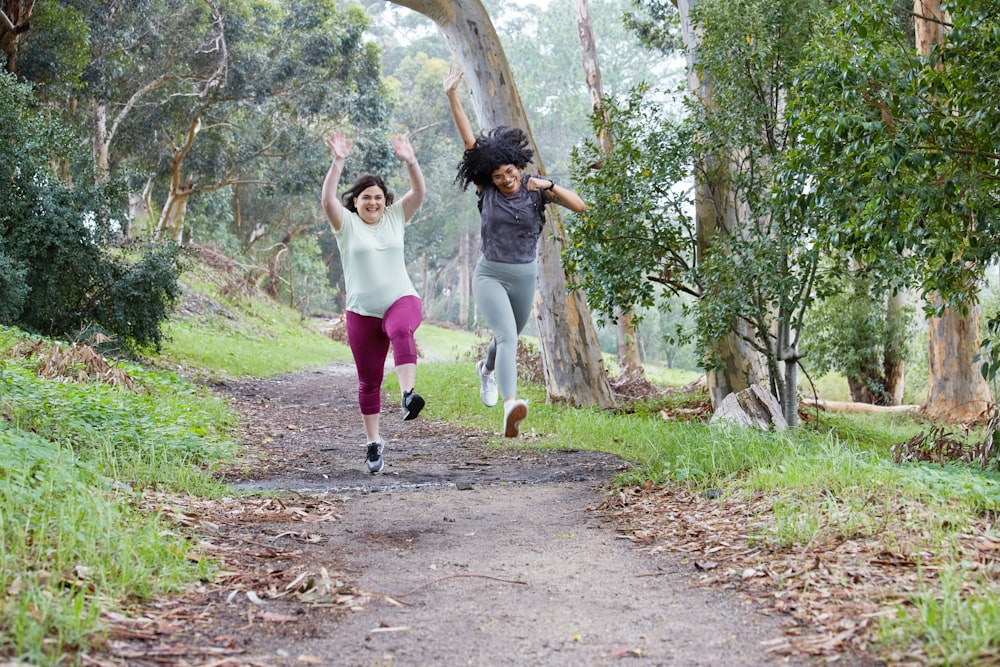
column 452, row 79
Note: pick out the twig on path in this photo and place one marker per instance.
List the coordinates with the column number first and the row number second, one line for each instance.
column 453, row 576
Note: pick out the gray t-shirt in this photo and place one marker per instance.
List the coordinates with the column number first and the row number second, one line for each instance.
column 511, row 225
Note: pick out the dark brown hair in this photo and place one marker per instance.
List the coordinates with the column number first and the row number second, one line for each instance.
column 363, row 183
column 501, row 145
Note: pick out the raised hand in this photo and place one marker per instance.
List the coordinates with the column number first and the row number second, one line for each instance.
column 452, row 79
column 340, row 144
column 404, row 151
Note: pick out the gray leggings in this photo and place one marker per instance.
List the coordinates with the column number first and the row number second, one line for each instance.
column 504, row 294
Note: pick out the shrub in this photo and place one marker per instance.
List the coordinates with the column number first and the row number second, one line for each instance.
column 60, row 269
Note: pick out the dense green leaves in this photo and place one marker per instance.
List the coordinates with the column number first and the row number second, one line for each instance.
column 57, row 273
column 899, row 148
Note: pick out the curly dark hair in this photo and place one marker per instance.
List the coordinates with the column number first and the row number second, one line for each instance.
column 363, row 183
column 501, row 145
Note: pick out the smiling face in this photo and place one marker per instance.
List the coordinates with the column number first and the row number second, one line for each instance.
column 507, row 179
column 370, row 204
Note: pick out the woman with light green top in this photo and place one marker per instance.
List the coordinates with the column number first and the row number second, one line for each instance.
column 383, row 307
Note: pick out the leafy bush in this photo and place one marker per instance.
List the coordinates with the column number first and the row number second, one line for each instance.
column 60, row 272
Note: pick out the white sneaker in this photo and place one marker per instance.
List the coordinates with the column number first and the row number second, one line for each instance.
column 487, row 385
column 514, row 413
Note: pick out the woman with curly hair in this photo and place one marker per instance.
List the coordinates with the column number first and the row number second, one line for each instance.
column 512, row 215
column 382, row 305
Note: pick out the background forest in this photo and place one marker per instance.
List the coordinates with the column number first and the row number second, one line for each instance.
column 854, row 178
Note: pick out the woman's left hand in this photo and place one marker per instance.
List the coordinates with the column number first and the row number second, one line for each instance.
column 404, row 151
column 540, row 183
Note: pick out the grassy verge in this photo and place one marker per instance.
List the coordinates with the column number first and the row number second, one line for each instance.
column 79, row 442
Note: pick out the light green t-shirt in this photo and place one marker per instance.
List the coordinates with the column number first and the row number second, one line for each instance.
column 374, row 268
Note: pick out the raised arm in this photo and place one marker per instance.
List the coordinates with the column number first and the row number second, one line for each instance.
column 340, row 146
column 451, row 81
column 414, row 197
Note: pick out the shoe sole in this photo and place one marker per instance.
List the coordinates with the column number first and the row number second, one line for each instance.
column 514, row 419
column 416, row 405
column 377, row 470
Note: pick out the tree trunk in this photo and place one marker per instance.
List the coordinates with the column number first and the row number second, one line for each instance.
column 466, row 251
column 740, row 364
column 956, row 389
column 629, row 362
column 140, row 210
column 14, row 22
column 102, row 153
column 570, row 353
column 171, row 223
column 895, row 368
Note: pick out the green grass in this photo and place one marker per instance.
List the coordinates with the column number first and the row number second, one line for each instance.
column 239, row 353
column 953, row 625
column 74, row 460
column 436, row 343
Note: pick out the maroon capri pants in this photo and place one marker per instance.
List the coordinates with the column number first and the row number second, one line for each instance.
column 369, row 338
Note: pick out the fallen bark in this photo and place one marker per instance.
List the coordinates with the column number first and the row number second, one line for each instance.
column 850, row 406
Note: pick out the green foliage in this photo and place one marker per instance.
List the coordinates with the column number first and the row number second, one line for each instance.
column 656, row 23
column 639, row 209
column 57, row 271
column 853, row 333
column 55, row 52
column 757, row 264
column 902, row 162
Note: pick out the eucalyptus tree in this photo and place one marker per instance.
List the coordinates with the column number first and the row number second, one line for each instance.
column 734, row 362
column 751, row 266
column 629, row 359
column 904, row 158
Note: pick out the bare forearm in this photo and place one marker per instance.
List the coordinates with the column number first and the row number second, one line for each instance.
column 418, row 189
column 566, row 197
column 461, row 120
column 332, row 205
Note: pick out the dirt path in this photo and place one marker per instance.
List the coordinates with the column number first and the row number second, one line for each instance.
column 456, row 555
